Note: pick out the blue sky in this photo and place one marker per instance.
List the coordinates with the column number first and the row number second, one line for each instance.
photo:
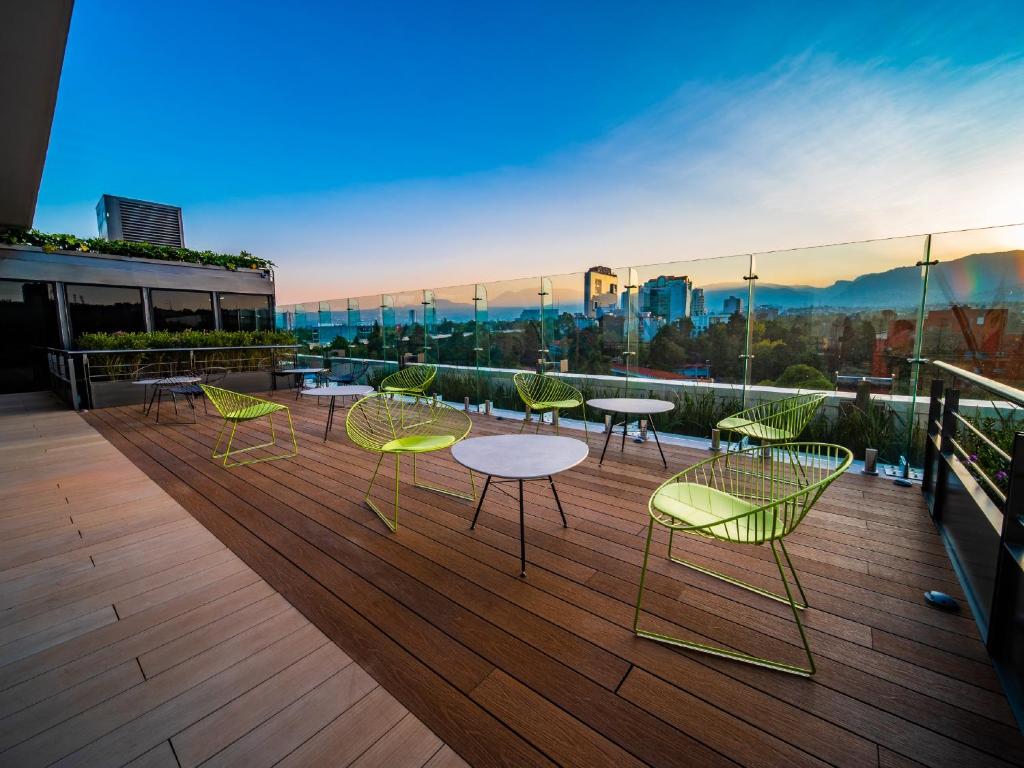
column 369, row 147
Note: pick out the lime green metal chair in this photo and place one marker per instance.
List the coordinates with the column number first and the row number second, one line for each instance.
column 541, row 393
column 774, row 421
column 385, row 424
column 236, row 408
column 757, row 496
column 412, row 380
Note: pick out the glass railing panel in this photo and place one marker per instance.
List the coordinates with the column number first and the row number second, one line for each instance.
column 512, row 333
column 571, row 342
column 662, row 336
column 408, row 338
column 843, row 319
column 453, row 342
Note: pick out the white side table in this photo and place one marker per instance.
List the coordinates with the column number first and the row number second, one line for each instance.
column 517, row 459
column 631, row 407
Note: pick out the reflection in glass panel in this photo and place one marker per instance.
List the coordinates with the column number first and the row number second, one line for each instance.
column 182, row 310
column 31, row 308
column 104, row 309
column 245, row 312
column 974, row 315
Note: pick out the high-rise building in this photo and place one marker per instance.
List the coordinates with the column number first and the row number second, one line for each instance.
column 600, row 291
column 667, row 297
column 138, row 221
column 732, row 305
column 697, row 306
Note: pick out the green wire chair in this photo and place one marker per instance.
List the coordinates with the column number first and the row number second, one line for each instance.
column 542, row 393
column 382, row 424
column 236, row 408
column 775, row 421
column 756, row 496
column 412, row 380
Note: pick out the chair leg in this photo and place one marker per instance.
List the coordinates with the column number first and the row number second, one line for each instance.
column 471, row 496
column 732, row 579
column 228, row 453
column 728, row 653
column 392, row 524
column 526, row 418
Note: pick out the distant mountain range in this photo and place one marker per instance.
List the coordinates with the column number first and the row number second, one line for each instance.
column 979, row 279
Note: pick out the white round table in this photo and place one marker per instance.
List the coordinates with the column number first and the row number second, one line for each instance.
column 517, row 459
column 335, row 391
column 631, row 407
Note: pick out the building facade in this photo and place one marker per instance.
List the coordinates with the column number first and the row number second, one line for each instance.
column 53, row 298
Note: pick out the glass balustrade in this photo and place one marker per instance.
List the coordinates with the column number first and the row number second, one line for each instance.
column 718, row 334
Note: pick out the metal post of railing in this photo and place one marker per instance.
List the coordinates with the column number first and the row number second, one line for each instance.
column 1008, row 569
column 934, row 410
column 948, row 436
column 74, row 384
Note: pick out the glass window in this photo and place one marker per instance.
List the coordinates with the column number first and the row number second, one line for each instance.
column 245, row 312
column 104, row 308
column 31, row 308
column 181, row 310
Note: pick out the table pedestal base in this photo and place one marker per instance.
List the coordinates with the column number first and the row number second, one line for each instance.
column 522, row 515
column 625, row 429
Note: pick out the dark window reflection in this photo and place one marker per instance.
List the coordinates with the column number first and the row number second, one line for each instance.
column 181, row 310
column 31, row 309
column 245, row 312
column 104, row 308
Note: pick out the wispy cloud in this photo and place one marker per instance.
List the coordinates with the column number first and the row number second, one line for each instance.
column 812, row 151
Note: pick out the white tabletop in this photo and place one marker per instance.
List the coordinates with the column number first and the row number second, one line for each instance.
column 631, row 405
column 339, row 391
column 520, row 457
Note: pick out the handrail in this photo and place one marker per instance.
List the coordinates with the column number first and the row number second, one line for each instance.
column 1007, row 393
column 170, row 349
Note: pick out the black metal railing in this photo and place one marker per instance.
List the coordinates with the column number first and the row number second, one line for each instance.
column 975, row 492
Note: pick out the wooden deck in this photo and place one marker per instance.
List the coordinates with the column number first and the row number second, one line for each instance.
column 130, row 634
column 543, row 670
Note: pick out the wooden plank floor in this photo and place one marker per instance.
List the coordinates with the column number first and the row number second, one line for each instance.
column 545, row 670
column 131, row 635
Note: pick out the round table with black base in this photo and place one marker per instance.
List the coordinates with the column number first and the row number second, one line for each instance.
column 334, row 392
column 631, row 409
column 298, row 374
column 166, row 384
column 519, row 459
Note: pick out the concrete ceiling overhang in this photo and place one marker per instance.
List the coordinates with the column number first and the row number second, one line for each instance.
column 33, row 35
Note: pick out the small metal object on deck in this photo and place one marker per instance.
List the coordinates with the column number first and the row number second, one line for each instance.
column 465, row 403
column 942, row 601
column 870, row 461
column 607, row 422
column 487, row 407
column 716, row 441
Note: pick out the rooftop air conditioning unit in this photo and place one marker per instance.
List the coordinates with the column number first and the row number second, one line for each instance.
column 138, row 221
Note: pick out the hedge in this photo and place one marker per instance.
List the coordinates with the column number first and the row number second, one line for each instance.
column 58, row 242
column 172, row 339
